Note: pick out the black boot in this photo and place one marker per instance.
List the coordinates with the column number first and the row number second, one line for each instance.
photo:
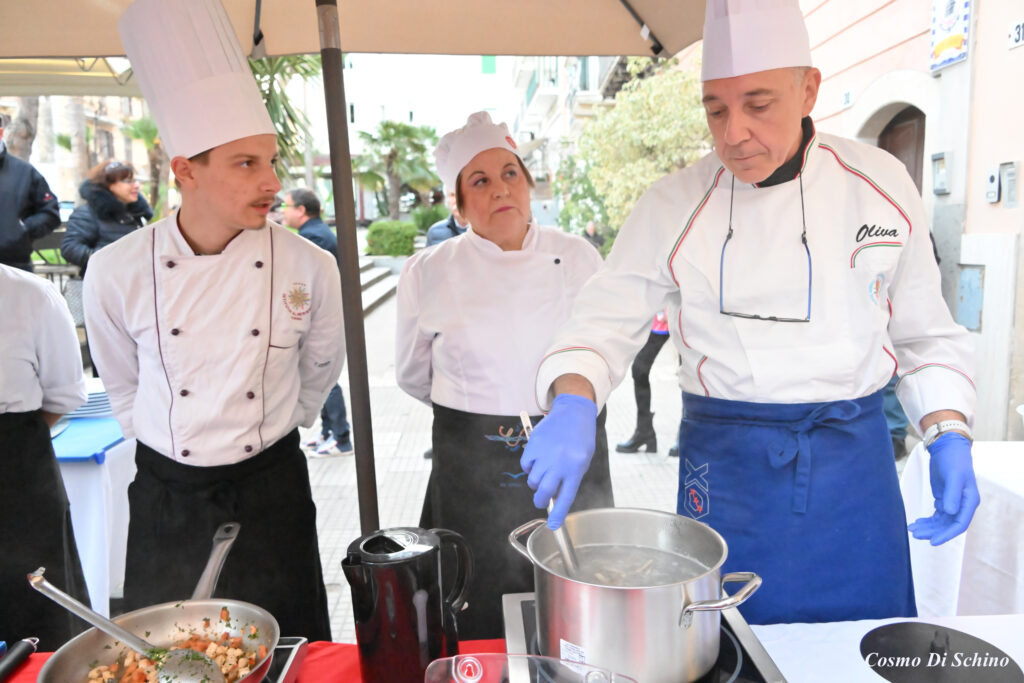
column 643, row 436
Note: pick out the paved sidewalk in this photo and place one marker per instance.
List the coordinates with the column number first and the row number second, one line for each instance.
column 401, row 432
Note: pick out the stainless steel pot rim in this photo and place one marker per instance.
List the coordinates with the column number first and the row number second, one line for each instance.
column 599, row 512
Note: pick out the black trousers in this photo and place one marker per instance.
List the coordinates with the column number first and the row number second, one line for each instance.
column 642, row 370
column 274, row 562
column 35, row 531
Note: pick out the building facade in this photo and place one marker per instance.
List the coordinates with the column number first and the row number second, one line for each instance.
column 936, row 82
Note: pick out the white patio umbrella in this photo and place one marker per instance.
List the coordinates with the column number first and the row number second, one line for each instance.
column 88, row 29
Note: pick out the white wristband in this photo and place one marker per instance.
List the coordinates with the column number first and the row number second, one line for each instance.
column 937, row 429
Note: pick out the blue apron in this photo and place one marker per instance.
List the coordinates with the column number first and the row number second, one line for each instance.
column 807, row 496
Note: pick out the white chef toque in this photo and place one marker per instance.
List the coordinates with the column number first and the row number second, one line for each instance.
column 457, row 148
column 192, row 72
column 747, row 36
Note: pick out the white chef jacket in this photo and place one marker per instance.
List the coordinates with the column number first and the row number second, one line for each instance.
column 876, row 304
column 40, row 360
column 474, row 321
column 210, row 359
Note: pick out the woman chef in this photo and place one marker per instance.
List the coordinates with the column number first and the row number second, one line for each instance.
column 217, row 334
column 40, row 378
column 475, row 314
column 784, row 447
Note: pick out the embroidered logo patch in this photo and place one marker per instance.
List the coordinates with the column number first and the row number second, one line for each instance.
column 511, row 142
column 697, row 501
column 876, row 287
column 298, row 300
column 513, row 438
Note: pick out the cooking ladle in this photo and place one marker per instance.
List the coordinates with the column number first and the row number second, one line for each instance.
column 182, row 665
column 562, row 539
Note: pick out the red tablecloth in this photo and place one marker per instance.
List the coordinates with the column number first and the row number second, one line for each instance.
column 325, row 662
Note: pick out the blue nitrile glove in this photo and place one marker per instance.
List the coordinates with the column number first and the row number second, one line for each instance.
column 559, row 452
column 953, row 487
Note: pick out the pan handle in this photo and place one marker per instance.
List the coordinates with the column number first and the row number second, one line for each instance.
column 753, row 582
column 513, row 537
column 222, row 540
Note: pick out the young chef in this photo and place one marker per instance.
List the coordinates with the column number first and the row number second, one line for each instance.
column 784, row 448
column 40, row 379
column 475, row 314
column 217, row 334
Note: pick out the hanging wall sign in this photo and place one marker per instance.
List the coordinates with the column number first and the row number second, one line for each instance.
column 951, row 22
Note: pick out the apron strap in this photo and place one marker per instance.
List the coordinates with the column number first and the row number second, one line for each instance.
column 797, row 443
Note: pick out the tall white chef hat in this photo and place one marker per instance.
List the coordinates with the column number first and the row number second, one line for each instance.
column 747, row 36
column 457, row 148
column 192, row 72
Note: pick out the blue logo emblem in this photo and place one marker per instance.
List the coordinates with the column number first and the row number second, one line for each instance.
column 696, row 500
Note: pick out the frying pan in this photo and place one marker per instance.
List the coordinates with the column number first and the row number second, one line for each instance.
column 171, row 623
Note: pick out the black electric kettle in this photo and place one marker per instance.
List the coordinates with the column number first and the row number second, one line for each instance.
column 404, row 620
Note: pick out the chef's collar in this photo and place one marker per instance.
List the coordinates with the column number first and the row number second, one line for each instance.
column 789, row 170
column 484, row 244
column 183, row 248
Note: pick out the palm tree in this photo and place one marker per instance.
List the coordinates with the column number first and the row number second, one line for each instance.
column 144, row 129
column 272, row 75
column 397, row 152
column 22, row 131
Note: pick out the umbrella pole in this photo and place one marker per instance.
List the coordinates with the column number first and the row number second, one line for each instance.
column 348, row 261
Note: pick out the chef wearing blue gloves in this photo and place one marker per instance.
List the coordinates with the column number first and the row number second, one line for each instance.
column 800, row 272
column 475, row 315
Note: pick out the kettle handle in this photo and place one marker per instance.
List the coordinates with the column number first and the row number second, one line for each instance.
column 464, row 567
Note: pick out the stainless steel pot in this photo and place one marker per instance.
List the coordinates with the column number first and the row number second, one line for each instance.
column 657, row 634
column 171, row 623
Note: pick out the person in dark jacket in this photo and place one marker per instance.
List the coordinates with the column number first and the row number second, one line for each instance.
column 113, row 209
column 453, row 226
column 301, row 211
column 28, row 210
column 591, row 235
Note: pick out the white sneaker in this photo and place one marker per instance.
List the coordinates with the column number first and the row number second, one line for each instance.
column 316, row 443
column 326, row 446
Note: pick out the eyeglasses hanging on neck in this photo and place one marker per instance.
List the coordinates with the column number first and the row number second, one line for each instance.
column 721, row 269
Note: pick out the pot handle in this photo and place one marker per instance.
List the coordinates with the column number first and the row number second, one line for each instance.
column 464, row 567
column 513, row 537
column 753, row 582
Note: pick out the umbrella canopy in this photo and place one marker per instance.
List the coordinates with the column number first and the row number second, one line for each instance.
column 78, row 29
column 88, row 28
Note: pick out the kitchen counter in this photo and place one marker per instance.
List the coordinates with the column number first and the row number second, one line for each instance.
column 816, row 652
column 803, row 652
column 324, row 663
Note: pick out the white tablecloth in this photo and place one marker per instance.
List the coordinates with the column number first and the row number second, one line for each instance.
column 98, row 494
column 982, row 571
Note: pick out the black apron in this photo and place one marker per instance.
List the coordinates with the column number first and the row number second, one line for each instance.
column 275, row 561
column 478, row 489
column 35, row 531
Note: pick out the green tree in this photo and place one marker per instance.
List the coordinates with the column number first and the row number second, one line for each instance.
column 657, row 126
column 272, row 75
column 144, row 129
column 398, row 154
column 580, row 201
